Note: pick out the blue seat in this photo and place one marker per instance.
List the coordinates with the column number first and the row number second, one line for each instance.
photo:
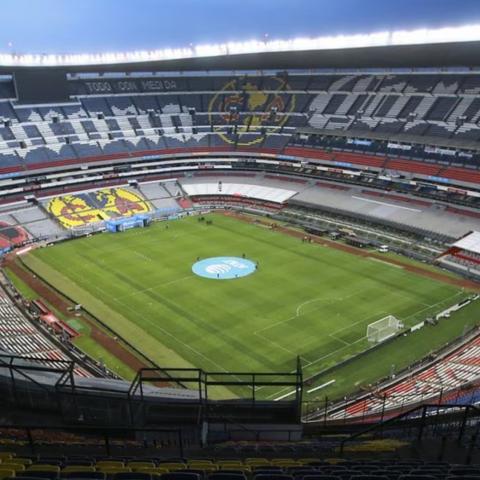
column 82, row 475
column 180, row 476
column 272, row 476
column 463, row 477
column 417, row 476
column 269, row 469
column 428, row 471
column 227, row 476
column 133, row 476
column 391, row 474
column 304, row 470
column 321, row 477
column 197, row 471
column 58, row 461
column 366, row 467
column 346, row 474
column 460, row 471
column 370, row 476
column 336, row 468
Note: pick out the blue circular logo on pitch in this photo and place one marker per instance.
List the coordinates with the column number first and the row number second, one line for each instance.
column 224, row 268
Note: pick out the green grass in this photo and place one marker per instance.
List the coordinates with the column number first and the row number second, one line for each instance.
column 96, row 351
column 305, row 299
column 28, row 293
column 396, row 355
column 21, row 286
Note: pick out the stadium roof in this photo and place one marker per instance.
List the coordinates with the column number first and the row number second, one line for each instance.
column 451, row 55
column 470, row 243
column 425, row 47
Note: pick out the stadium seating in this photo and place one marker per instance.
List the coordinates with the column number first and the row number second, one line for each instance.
column 217, row 116
column 78, row 210
column 18, row 336
column 21, row 222
column 446, row 375
column 271, row 468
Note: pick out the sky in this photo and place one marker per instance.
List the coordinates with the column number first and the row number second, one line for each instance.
column 94, row 26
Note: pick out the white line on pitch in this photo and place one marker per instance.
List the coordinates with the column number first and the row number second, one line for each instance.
column 431, row 306
column 330, row 300
column 142, row 256
column 166, row 332
column 159, row 285
column 186, row 345
column 274, row 343
column 338, row 339
column 321, row 386
column 363, row 320
column 360, row 339
column 284, row 396
column 394, row 265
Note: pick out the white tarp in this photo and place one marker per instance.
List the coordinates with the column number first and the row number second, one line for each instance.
column 278, row 195
column 470, row 243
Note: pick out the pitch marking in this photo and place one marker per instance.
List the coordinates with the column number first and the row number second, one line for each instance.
column 300, row 306
column 280, row 346
column 338, row 339
column 142, row 256
column 166, row 332
column 386, row 263
column 159, row 285
column 343, row 348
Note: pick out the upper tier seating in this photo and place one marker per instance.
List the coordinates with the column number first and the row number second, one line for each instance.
column 21, row 222
column 251, row 112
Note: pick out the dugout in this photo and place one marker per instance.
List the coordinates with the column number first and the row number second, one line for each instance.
column 357, row 242
column 316, row 231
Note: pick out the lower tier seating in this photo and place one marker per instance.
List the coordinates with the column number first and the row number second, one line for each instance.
column 80, row 209
column 19, row 336
column 450, row 373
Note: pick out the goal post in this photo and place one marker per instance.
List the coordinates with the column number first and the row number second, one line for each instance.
column 382, row 329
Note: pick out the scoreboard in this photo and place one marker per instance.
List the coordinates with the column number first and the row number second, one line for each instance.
column 41, row 85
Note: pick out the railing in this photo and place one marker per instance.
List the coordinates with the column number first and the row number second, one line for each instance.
column 207, row 396
column 421, row 420
column 242, row 385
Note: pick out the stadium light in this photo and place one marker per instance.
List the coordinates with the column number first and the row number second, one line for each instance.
column 402, row 37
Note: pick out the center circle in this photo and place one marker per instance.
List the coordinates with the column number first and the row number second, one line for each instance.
column 224, row 268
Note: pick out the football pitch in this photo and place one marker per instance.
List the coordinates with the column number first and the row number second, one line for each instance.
column 305, row 300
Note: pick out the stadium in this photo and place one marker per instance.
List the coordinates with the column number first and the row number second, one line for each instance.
column 242, row 260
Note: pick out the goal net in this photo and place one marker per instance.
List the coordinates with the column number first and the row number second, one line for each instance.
column 382, row 329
